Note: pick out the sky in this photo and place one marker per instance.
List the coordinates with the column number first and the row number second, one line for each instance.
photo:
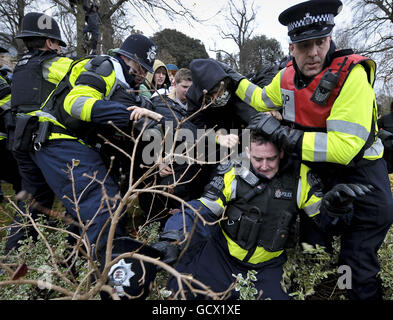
column 266, row 22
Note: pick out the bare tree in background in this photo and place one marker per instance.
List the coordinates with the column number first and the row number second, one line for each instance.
column 116, row 19
column 372, row 35
column 11, row 14
column 240, row 21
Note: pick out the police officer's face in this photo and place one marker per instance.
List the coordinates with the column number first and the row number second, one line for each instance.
column 265, row 158
column 310, row 55
column 136, row 70
column 53, row 45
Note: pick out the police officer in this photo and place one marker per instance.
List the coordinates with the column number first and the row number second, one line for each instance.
column 36, row 74
column 328, row 101
column 81, row 106
column 260, row 203
column 9, row 170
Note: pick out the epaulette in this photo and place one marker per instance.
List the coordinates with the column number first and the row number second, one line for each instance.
column 246, row 175
column 100, row 65
column 224, row 167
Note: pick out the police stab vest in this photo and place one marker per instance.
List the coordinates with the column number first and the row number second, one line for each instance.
column 299, row 106
column 87, row 131
column 264, row 212
column 29, row 88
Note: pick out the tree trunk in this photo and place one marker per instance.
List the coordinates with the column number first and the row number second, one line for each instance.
column 106, row 28
column 80, row 23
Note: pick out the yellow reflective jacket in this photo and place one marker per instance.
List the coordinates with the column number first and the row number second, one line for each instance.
column 347, row 125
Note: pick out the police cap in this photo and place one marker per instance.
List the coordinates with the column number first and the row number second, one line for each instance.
column 141, row 49
column 36, row 24
column 311, row 19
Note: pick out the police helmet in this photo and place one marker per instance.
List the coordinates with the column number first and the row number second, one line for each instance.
column 127, row 274
column 140, row 49
column 35, row 24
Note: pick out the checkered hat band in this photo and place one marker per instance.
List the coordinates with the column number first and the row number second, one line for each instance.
column 308, row 20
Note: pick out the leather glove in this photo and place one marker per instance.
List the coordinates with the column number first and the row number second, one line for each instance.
column 235, row 76
column 167, row 246
column 284, row 137
column 338, row 201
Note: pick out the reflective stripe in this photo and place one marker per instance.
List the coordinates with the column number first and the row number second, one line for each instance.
column 354, row 129
column 282, row 73
column 313, row 208
column 375, row 150
column 260, row 254
column 77, row 106
column 213, row 206
column 269, row 103
column 299, row 192
column 44, row 114
column 320, row 147
column 3, row 135
column 233, row 189
column 249, row 92
column 288, row 97
column 6, row 106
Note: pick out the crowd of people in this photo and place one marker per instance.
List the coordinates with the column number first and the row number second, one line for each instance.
column 311, row 168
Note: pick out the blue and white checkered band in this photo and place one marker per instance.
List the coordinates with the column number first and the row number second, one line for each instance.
column 308, row 19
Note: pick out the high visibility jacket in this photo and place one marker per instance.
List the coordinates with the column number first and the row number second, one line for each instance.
column 84, row 99
column 336, row 132
column 5, row 106
column 36, row 75
column 274, row 199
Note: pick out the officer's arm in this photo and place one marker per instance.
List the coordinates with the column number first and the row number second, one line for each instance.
column 332, row 211
column 348, row 125
column 86, row 99
column 211, row 205
column 262, row 99
column 309, row 192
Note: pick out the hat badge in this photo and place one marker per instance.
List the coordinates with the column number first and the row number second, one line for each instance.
column 120, row 275
column 307, row 19
column 151, row 54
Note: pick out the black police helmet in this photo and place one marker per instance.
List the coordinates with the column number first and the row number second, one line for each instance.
column 310, row 19
column 125, row 275
column 140, row 49
column 35, row 24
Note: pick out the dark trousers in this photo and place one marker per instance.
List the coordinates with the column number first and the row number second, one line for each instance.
column 372, row 218
column 52, row 161
column 210, row 262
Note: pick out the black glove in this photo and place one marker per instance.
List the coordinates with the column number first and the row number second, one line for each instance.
column 284, row 137
column 167, row 246
column 338, row 201
column 235, row 76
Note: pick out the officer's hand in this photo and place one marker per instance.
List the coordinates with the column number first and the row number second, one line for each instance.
column 227, row 140
column 235, row 76
column 139, row 112
column 264, row 122
column 169, row 250
column 338, row 200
